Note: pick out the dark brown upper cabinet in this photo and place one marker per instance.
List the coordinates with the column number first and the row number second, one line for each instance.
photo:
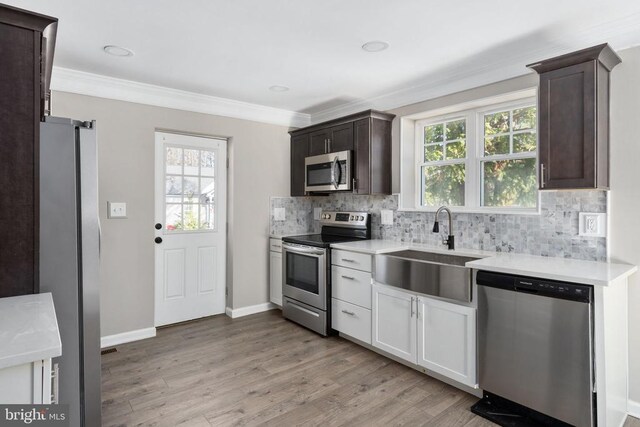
column 331, row 139
column 366, row 134
column 574, row 119
column 299, row 151
column 26, row 42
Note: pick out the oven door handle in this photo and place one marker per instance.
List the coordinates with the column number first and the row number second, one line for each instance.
column 303, row 250
column 335, row 172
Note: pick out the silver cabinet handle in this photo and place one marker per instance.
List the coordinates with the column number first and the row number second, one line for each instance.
column 349, row 313
column 55, row 384
column 348, row 260
column 412, row 298
column 541, row 175
column 348, row 277
column 276, row 246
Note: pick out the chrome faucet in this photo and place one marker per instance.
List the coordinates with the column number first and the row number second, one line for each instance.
column 450, row 242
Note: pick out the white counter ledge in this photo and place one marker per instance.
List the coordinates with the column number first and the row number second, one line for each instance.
column 563, row 269
column 28, row 329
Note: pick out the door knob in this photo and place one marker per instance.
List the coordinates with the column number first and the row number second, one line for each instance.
column 158, row 226
column 158, row 240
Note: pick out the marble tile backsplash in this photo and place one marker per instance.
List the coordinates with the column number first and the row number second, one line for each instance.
column 554, row 232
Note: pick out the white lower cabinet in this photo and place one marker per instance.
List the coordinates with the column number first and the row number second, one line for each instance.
column 275, row 271
column 435, row 334
column 394, row 322
column 29, row 383
column 351, row 319
column 447, row 339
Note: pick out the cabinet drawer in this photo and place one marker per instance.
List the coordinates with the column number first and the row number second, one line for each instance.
column 351, row 259
column 351, row 320
column 353, row 286
column 275, row 245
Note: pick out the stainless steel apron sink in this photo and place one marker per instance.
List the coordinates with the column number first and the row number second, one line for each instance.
column 441, row 275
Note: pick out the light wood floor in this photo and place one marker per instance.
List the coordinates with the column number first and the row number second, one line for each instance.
column 263, row 370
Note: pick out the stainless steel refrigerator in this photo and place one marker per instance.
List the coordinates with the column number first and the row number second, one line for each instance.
column 69, row 258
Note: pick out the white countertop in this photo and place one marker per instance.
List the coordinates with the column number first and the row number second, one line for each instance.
column 28, row 329
column 564, row 269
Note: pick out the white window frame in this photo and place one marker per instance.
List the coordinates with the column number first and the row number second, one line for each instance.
column 475, row 156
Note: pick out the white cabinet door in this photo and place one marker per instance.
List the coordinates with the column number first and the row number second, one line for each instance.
column 394, row 322
column 447, row 339
column 275, row 277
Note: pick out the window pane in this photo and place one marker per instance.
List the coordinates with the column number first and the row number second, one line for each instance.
column 524, row 118
column 207, row 217
column 524, row 142
column 496, row 145
column 434, row 133
column 456, row 130
column 433, row 153
column 191, row 162
column 496, row 123
column 207, row 190
column 456, row 150
column 190, row 189
column 173, row 217
column 510, row 183
column 173, row 186
column 207, row 163
column 444, row 185
column 190, row 217
column 174, row 160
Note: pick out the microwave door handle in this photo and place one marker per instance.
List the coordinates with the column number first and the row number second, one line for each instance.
column 335, row 173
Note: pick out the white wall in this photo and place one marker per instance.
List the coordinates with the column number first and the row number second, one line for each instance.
column 625, row 192
column 259, row 169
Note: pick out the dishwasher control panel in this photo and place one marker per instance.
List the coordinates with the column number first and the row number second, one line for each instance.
column 551, row 288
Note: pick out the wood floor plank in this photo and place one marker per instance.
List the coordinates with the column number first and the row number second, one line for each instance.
column 264, row 370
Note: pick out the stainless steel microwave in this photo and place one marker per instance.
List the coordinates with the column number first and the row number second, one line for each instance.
column 328, row 172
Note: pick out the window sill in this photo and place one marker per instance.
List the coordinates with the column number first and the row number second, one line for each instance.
column 485, row 211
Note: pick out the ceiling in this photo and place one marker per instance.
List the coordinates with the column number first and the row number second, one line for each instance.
column 238, row 49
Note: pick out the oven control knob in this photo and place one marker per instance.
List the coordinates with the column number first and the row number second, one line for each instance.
column 351, row 218
column 361, row 218
column 328, row 216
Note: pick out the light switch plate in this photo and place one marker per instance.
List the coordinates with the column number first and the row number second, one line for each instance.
column 279, row 214
column 116, row 210
column 386, row 217
column 592, row 224
column 316, row 213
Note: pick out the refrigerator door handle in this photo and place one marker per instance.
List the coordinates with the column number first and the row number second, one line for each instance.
column 99, row 238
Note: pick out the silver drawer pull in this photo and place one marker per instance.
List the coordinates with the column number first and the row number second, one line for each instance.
column 350, row 313
column 276, row 246
column 348, row 277
column 348, row 260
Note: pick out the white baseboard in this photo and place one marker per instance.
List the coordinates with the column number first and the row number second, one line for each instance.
column 125, row 337
column 252, row 309
column 633, row 408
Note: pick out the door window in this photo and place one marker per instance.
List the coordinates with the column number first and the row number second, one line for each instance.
column 189, row 189
column 302, row 272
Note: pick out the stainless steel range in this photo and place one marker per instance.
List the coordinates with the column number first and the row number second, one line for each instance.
column 306, row 278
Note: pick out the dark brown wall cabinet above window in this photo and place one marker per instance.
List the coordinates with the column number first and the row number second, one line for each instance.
column 574, row 118
column 23, row 86
column 367, row 135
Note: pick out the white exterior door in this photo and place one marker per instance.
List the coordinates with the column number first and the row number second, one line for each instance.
column 447, row 339
column 394, row 322
column 190, row 228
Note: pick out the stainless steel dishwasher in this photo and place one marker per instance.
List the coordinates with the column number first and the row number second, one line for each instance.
column 535, row 345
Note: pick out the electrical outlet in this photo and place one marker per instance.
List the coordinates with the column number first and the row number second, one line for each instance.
column 279, row 214
column 116, row 210
column 316, row 213
column 592, row 224
column 386, row 217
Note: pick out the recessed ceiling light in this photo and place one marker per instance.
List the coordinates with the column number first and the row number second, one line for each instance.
column 278, row 88
column 375, row 46
column 117, row 51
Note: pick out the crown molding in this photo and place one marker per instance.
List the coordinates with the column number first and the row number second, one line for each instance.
column 83, row 83
column 621, row 33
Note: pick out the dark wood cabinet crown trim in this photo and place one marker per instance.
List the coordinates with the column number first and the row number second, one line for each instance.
column 24, row 18
column 342, row 120
column 601, row 53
